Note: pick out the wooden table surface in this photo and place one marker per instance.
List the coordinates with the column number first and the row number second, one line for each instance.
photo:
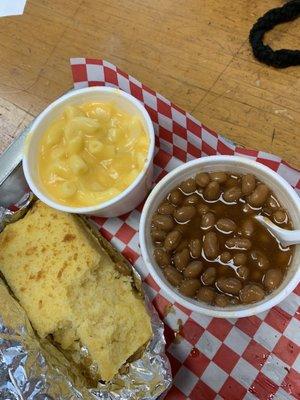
column 196, row 53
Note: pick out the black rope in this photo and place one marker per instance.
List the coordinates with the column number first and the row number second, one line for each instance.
column 279, row 58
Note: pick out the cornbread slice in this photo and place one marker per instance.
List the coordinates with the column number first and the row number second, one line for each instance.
column 70, row 288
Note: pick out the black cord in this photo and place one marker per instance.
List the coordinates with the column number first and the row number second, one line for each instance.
column 279, row 58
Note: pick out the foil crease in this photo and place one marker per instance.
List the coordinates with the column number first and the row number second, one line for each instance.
column 34, row 369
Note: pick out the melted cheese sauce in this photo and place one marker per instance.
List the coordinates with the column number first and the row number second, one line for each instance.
column 91, row 154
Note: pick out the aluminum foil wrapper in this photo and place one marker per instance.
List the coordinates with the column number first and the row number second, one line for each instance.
column 34, row 369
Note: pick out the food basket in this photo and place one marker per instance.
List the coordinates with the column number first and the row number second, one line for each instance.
column 248, row 358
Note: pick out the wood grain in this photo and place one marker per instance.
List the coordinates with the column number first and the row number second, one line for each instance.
column 194, row 52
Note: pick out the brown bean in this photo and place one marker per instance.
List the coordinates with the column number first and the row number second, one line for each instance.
column 172, row 240
column 193, row 269
column 225, row 257
column 233, row 194
column 266, row 211
column 173, row 276
column 272, row 203
column 181, row 228
column 238, row 243
column 234, row 301
column 202, row 209
column 219, row 177
column 181, row 259
column 163, row 222
column 272, row 279
column 184, row 213
column 248, row 184
column 206, row 294
column 243, row 272
column 209, row 276
column 226, row 225
column 251, row 293
column 247, row 227
column 259, row 195
column 229, row 285
column 223, row 269
column 188, row 186
column 166, row 209
column 158, row 235
column 231, row 182
column 211, row 245
column 207, row 221
column 176, row 197
column 240, row 259
column 279, row 217
column 202, row 179
column 189, row 287
column 221, row 300
column 161, row 257
column 259, row 259
column 195, row 247
column 212, row 191
column 182, row 245
column 191, row 200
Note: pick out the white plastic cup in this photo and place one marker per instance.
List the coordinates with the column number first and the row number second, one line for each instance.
column 132, row 196
column 282, row 190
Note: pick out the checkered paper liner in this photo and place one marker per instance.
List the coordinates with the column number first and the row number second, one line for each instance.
column 247, row 358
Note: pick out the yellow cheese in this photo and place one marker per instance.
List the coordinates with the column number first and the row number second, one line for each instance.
column 91, row 154
column 70, row 288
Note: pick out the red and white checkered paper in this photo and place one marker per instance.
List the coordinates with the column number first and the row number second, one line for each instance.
column 247, row 358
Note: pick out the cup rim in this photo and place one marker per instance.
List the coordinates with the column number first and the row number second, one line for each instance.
column 107, row 204
column 237, row 311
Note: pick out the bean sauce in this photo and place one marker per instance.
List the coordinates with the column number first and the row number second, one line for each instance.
column 209, row 245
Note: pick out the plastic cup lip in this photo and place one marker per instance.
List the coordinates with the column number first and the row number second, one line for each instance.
column 63, row 100
column 200, row 307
